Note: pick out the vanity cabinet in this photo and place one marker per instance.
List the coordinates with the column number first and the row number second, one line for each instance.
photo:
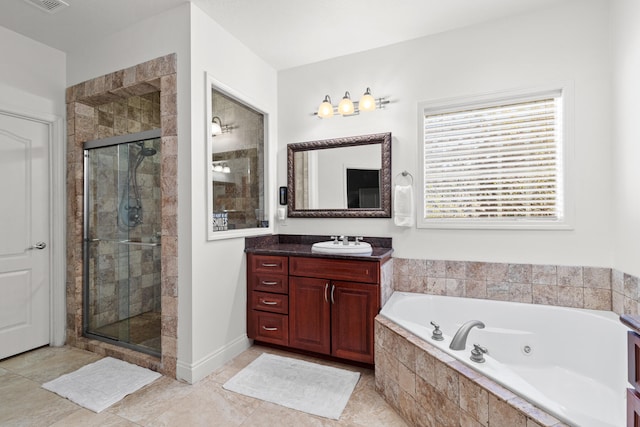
column 332, row 304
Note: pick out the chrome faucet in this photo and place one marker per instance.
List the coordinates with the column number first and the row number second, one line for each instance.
column 345, row 240
column 459, row 340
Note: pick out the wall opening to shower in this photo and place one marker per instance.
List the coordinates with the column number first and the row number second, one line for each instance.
column 122, row 241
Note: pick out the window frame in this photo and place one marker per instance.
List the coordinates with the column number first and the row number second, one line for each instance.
column 490, row 99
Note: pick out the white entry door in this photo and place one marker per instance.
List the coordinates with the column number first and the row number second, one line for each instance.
column 24, row 234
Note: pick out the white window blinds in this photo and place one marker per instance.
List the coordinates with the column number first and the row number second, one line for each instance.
column 498, row 162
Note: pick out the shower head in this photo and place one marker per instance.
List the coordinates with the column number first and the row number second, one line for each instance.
column 147, row 151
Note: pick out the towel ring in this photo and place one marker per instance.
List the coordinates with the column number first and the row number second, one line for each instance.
column 406, row 176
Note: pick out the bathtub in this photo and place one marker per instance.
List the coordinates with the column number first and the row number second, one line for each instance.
column 569, row 362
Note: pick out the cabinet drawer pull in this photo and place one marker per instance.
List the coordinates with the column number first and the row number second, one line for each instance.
column 266, row 283
column 265, row 302
column 264, row 264
column 269, row 329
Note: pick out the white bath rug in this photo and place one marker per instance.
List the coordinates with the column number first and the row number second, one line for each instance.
column 296, row 384
column 98, row 385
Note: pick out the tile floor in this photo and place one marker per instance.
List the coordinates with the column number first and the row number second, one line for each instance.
column 167, row 402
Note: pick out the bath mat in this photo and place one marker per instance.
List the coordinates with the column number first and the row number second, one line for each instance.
column 98, row 385
column 296, row 384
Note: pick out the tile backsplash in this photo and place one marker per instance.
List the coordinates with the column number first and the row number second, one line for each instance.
column 570, row 286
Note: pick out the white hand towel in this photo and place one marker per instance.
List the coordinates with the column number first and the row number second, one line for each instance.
column 403, row 212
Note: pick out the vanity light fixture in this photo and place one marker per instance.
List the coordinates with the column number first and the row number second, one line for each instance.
column 347, row 107
column 218, row 128
column 220, row 167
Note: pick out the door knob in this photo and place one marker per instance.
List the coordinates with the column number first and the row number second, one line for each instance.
column 39, row 245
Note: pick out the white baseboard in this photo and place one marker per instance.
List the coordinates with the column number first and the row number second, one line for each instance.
column 194, row 372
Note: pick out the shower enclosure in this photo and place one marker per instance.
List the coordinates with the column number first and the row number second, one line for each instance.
column 122, row 227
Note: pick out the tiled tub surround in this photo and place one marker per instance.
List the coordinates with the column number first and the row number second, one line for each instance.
column 109, row 105
column 430, row 388
column 553, row 375
column 570, row 286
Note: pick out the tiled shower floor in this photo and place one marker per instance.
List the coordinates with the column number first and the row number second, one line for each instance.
column 167, row 402
column 142, row 330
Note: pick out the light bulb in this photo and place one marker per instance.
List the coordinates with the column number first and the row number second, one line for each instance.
column 326, row 109
column 217, row 167
column 346, row 106
column 226, row 169
column 367, row 102
column 216, row 128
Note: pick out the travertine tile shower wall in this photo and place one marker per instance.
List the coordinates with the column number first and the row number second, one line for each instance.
column 569, row 286
column 106, row 94
column 125, row 280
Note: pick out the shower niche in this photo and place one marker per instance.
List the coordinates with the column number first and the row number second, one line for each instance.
column 122, row 229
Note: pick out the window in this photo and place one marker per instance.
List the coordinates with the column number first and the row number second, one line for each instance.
column 494, row 163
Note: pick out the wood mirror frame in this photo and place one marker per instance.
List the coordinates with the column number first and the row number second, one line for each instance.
column 384, row 139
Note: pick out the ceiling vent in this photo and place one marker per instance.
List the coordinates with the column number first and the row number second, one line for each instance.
column 49, row 6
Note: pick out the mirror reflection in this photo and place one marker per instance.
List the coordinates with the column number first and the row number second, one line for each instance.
column 236, row 165
column 342, row 177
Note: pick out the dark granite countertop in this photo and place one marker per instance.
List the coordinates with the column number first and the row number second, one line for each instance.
column 632, row 321
column 300, row 245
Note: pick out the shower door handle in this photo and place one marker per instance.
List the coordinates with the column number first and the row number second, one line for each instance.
column 39, row 245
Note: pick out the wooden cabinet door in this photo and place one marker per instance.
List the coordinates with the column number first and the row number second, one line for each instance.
column 354, row 307
column 309, row 314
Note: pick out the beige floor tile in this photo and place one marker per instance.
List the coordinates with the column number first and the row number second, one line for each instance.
column 146, row 404
column 86, row 418
column 207, row 405
column 25, row 403
column 47, row 363
column 271, row 415
column 167, row 402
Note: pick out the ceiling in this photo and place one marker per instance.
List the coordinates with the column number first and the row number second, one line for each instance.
column 285, row 33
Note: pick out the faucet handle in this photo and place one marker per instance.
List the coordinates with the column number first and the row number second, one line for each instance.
column 437, row 333
column 335, row 239
column 477, row 354
column 358, row 239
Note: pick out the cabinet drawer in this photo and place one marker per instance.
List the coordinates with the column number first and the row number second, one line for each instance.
column 270, row 327
column 269, row 283
column 335, row 269
column 268, row 264
column 274, row 303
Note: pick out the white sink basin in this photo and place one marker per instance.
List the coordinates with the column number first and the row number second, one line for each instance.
column 362, row 248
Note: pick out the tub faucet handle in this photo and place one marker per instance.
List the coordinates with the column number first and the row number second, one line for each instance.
column 437, row 333
column 477, row 354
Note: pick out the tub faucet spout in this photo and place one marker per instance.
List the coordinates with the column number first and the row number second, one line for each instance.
column 459, row 340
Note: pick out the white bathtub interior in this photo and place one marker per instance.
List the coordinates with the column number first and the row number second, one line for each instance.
column 575, row 366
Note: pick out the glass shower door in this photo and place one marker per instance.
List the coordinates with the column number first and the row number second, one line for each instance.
column 122, row 243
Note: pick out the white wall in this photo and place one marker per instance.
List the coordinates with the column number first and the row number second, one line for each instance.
column 32, row 83
column 566, row 43
column 218, row 282
column 32, row 75
column 626, row 134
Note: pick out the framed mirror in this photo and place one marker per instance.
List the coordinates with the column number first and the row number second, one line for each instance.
column 346, row 177
column 236, row 164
